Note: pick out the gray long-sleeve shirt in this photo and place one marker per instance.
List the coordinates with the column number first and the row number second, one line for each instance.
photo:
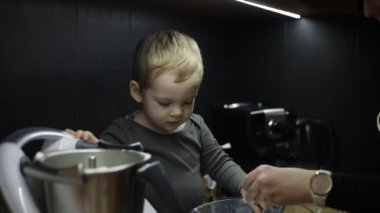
column 186, row 156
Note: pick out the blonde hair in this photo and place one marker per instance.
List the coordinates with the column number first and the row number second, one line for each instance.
column 166, row 51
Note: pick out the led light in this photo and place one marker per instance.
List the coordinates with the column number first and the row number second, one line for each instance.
column 283, row 12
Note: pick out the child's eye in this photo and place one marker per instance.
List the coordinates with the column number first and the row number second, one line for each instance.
column 188, row 103
column 164, row 103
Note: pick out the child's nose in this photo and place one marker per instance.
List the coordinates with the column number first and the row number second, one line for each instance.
column 176, row 110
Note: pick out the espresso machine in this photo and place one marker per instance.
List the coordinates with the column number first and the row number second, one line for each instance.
column 256, row 134
column 68, row 175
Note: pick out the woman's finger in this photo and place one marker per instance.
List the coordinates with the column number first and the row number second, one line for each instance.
column 252, row 193
column 249, row 179
column 256, row 208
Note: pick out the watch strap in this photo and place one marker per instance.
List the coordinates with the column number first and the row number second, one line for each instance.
column 319, row 200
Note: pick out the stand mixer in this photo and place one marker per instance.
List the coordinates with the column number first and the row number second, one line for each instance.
column 68, row 175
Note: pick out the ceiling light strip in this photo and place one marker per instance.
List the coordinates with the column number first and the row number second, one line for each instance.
column 283, row 12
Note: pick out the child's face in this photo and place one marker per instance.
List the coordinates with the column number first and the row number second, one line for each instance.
column 167, row 104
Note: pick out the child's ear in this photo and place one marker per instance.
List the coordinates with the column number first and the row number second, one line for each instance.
column 134, row 89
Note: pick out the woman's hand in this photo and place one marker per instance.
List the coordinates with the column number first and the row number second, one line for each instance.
column 84, row 135
column 267, row 185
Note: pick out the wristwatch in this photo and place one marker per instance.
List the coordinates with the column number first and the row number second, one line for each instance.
column 320, row 186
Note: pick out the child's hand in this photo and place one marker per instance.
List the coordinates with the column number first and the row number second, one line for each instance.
column 84, row 135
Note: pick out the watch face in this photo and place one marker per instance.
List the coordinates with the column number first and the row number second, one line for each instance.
column 321, row 183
